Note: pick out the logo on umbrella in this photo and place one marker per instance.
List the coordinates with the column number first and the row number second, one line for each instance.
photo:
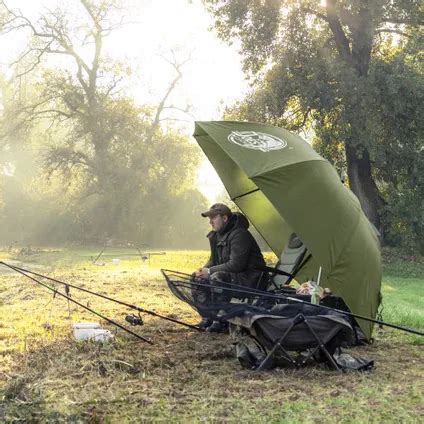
column 257, row 140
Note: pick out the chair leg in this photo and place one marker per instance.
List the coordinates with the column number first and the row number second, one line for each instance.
column 297, row 320
column 322, row 347
column 275, row 347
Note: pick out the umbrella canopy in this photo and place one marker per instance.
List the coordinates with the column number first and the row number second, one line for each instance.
column 283, row 186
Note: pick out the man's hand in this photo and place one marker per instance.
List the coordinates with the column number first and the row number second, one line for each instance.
column 202, row 273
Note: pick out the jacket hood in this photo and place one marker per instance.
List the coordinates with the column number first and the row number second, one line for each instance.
column 240, row 220
column 237, row 220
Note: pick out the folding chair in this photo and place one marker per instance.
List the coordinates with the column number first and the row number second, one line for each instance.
column 291, row 334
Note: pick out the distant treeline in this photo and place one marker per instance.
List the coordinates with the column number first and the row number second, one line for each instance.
column 81, row 161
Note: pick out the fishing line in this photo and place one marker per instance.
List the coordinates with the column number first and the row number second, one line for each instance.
column 57, row 292
column 128, row 305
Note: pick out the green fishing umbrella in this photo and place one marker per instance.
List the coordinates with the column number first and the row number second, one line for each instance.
column 283, row 186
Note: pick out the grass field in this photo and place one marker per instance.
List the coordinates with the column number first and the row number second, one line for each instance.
column 185, row 376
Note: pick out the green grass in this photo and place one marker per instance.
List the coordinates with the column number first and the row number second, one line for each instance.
column 403, row 301
column 45, row 376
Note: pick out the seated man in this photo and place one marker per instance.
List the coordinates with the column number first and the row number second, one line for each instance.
column 235, row 255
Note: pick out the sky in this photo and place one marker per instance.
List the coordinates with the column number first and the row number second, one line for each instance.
column 212, row 77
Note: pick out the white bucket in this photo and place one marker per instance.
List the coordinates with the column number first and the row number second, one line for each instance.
column 115, row 261
column 82, row 325
column 91, row 331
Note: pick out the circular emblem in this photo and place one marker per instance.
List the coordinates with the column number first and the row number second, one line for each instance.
column 257, row 140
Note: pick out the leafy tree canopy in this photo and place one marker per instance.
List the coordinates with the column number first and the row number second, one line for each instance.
column 110, row 168
column 349, row 72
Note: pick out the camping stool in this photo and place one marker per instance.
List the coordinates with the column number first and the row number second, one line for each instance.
column 298, row 319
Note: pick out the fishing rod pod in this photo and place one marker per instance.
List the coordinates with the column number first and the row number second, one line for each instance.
column 69, row 298
column 131, row 319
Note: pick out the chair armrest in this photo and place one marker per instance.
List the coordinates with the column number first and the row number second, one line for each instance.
column 275, row 271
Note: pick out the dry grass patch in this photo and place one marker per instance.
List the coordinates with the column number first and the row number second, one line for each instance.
column 45, row 375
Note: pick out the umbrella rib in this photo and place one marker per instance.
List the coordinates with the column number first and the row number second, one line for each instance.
column 245, row 194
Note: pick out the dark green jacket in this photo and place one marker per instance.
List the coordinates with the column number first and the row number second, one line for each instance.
column 234, row 250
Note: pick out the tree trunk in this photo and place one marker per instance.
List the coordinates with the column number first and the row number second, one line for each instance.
column 419, row 237
column 362, row 184
column 356, row 53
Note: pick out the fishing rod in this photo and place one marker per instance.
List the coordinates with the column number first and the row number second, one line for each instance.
column 259, row 293
column 57, row 292
column 128, row 305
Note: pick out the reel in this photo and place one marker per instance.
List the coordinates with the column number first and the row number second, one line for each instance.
column 134, row 319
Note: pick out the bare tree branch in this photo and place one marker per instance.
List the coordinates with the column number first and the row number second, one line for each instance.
column 394, row 31
column 342, row 42
column 115, row 82
column 395, row 20
column 310, row 11
column 177, row 67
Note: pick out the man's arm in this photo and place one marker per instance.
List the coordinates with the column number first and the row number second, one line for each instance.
column 203, row 271
column 240, row 247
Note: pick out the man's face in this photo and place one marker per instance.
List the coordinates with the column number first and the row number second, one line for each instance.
column 218, row 222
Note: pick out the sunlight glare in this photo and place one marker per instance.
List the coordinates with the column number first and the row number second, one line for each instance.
column 208, row 181
column 211, row 79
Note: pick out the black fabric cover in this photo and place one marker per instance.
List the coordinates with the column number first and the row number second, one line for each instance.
column 268, row 326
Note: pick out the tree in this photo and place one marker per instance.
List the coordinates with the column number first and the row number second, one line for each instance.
column 115, row 160
column 396, row 123
column 81, row 99
column 310, row 64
